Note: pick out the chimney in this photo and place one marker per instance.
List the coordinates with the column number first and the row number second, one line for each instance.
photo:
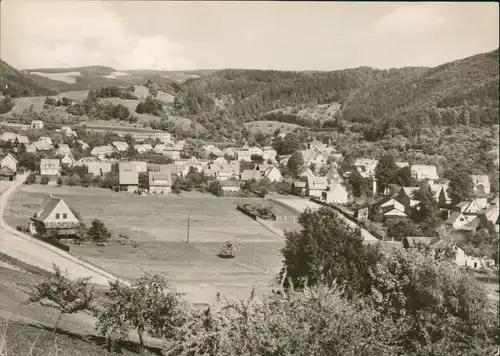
column 374, row 187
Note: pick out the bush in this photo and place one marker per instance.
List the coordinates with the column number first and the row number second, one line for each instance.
column 30, row 179
column 44, row 180
column 228, row 249
column 59, row 181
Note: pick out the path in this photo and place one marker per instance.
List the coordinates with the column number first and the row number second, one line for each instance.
column 34, row 252
column 299, row 205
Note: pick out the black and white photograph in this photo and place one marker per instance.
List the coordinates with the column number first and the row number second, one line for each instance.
column 249, row 178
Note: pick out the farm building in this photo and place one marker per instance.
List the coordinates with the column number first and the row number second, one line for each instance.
column 128, row 177
column 55, row 219
column 50, row 167
column 160, row 182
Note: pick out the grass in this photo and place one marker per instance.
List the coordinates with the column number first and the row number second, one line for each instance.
column 270, row 126
column 157, row 230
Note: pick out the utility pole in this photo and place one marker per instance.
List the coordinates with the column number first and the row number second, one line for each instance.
column 187, row 240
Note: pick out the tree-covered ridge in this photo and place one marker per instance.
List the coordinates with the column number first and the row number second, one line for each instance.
column 14, row 83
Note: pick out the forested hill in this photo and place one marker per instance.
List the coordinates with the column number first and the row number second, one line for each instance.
column 463, row 91
column 15, row 83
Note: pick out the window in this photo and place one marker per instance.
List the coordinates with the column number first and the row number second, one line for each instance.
column 65, row 216
column 57, row 216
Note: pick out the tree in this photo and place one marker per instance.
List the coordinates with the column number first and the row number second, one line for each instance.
column 460, row 187
column 59, row 181
column 44, row 180
column 69, row 296
column 385, row 172
column 148, row 306
column 327, row 251
column 98, row 232
column 31, row 179
column 361, row 187
column 295, row 162
column 398, row 230
column 404, row 178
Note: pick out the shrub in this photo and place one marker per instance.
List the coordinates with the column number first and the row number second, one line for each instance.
column 98, row 232
column 228, row 249
column 30, row 179
column 59, row 181
column 44, row 180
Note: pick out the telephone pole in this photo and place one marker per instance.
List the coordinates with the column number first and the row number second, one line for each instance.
column 187, row 240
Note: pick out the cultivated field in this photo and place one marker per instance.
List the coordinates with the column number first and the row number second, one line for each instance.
column 157, row 230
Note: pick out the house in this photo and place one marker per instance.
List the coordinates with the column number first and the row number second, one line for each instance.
column 230, row 152
column 257, row 151
column 268, row 153
column 491, row 215
column 362, row 213
column 305, row 173
column 10, row 162
column 128, row 177
column 98, row 168
column 299, row 187
column 315, row 185
column 84, row 161
column 224, row 174
column 481, row 185
column 43, row 146
column 230, row 186
column 50, row 167
column 402, row 164
column 36, row 125
column 249, row 174
column 366, row 166
column 140, row 166
column 405, row 197
column 221, row 161
column 335, row 193
column 243, row 155
column 457, row 220
column 63, row 150
column 170, row 150
column 45, row 139
column 440, row 191
column 163, row 168
column 160, row 182
column 333, row 176
column 30, row 148
column 102, row 152
column 55, row 219
column 394, row 214
column 313, row 157
column 6, row 172
column 67, row 131
column 84, row 145
column 273, row 174
column 68, row 159
column 142, row 148
column 159, row 148
column 392, row 204
column 423, row 172
column 120, row 146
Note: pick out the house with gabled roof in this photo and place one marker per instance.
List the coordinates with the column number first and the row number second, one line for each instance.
column 221, row 161
column 273, row 174
column 128, row 177
column 224, row 173
column 45, row 139
column 481, row 185
column 10, row 162
column 160, row 182
column 249, row 174
column 299, row 187
column 424, row 172
column 243, row 155
column 85, row 146
column 405, row 197
column 335, row 193
column 306, row 172
column 99, row 168
column 333, row 176
column 268, row 153
column 68, row 160
column 102, row 152
column 63, row 150
column 50, row 167
column 315, row 186
column 55, row 219
column 120, row 146
column 30, row 148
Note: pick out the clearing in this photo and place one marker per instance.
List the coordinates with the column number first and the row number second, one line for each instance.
column 157, row 230
column 270, row 126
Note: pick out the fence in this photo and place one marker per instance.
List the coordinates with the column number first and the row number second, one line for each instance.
column 270, row 227
column 286, row 218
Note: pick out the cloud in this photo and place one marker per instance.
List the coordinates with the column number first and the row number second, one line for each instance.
column 70, row 33
column 411, row 18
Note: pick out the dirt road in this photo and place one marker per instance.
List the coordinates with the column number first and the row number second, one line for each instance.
column 29, row 250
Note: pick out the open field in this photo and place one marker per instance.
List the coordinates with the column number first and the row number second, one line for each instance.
column 157, row 230
column 270, row 126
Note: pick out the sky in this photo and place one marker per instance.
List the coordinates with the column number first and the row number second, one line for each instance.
column 182, row 35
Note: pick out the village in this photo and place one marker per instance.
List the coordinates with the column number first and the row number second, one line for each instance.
column 246, row 171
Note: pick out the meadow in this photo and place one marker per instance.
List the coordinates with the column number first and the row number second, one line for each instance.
column 157, row 238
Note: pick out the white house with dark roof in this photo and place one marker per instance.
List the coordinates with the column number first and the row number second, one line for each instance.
column 315, row 186
column 160, row 182
column 55, row 219
column 120, row 146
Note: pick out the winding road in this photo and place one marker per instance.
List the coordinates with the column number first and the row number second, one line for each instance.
column 34, row 252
